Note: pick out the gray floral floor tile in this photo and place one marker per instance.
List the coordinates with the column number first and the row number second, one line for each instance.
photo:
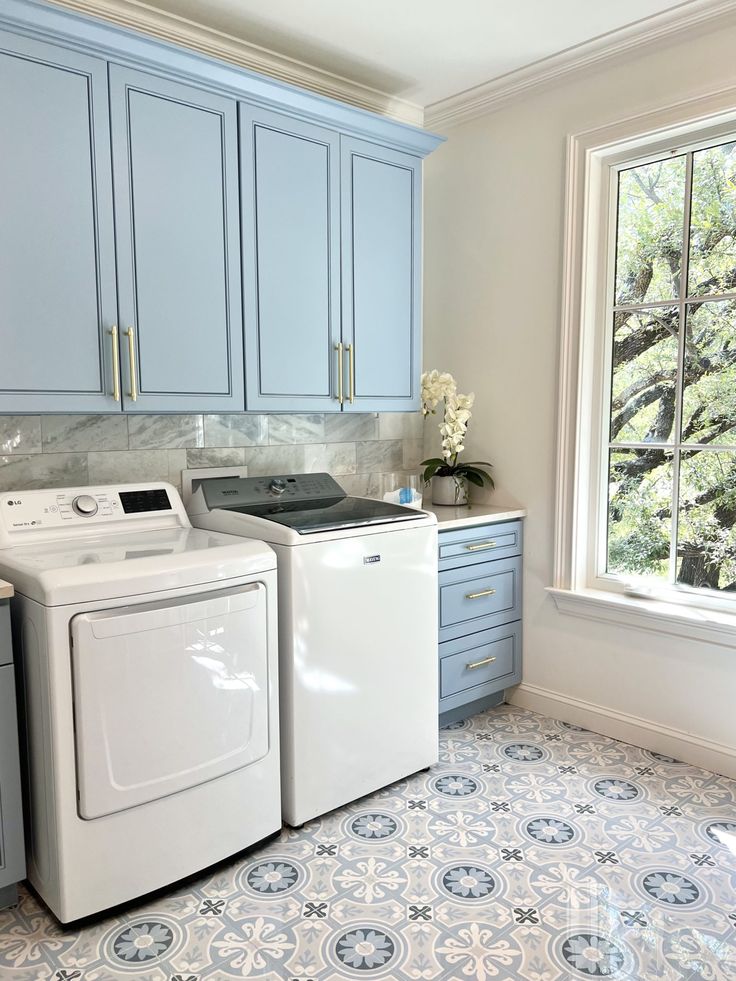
column 533, row 850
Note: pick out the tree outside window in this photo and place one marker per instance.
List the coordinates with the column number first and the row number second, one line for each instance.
column 672, row 425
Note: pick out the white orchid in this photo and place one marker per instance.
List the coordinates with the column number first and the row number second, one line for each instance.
column 441, row 387
column 436, row 386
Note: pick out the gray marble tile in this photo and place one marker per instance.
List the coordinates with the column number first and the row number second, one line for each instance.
column 128, row 466
column 224, row 456
column 296, row 428
column 400, row 425
column 344, row 427
column 334, row 458
column 177, row 463
column 240, row 429
column 82, row 433
column 165, row 432
column 413, row 454
column 361, row 484
column 262, row 460
column 20, row 434
column 43, row 470
column 380, row 456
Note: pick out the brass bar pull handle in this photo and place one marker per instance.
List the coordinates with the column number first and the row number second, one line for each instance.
column 483, row 592
column 339, row 349
column 115, row 363
column 351, row 372
column 479, row 664
column 131, row 355
column 480, row 546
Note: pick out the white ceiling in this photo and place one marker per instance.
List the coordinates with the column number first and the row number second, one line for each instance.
column 422, row 51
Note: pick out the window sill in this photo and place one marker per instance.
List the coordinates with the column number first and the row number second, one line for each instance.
column 657, row 616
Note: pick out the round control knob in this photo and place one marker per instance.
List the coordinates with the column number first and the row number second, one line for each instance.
column 85, row 505
column 277, row 486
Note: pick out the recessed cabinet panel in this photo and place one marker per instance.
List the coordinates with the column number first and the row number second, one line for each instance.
column 380, row 263
column 176, row 200
column 291, row 231
column 57, row 285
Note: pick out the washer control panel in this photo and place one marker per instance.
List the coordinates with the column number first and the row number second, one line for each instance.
column 229, row 492
column 69, row 509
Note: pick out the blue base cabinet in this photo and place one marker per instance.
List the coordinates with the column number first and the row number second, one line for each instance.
column 480, row 609
column 12, row 849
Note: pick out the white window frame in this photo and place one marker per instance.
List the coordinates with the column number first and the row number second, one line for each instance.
column 593, row 161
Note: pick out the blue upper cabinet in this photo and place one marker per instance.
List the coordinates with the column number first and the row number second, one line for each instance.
column 290, row 173
column 331, row 254
column 57, row 253
column 381, row 267
column 177, row 223
column 160, row 254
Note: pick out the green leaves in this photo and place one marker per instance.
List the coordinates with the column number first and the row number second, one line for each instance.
column 431, row 467
column 436, row 467
column 474, row 473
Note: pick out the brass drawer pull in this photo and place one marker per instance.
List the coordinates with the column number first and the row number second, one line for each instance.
column 484, row 592
column 339, row 349
column 479, row 664
column 115, row 363
column 479, row 546
column 351, row 373
column 133, row 393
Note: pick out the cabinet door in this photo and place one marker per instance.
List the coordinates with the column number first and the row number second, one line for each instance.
column 381, row 266
column 57, row 253
column 176, row 211
column 291, row 262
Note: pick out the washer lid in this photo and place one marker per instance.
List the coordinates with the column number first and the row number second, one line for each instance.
column 329, row 514
column 116, row 566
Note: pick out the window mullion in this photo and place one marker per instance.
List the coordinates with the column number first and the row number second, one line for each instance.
column 681, row 352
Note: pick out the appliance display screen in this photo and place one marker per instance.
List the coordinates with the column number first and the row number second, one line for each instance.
column 145, row 500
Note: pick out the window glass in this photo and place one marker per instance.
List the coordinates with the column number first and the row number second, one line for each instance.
column 671, row 480
column 651, row 202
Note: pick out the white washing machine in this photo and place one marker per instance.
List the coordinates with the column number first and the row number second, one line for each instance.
column 148, row 658
column 357, row 631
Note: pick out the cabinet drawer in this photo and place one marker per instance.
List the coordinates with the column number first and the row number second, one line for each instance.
column 481, row 543
column 6, row 650
column 12, row 852
column 479, row 665
column 483, row 596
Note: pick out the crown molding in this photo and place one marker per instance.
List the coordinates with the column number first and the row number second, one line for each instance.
column 646, row 33
column 140, row 17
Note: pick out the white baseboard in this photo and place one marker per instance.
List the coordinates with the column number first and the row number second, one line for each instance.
column 684, row 746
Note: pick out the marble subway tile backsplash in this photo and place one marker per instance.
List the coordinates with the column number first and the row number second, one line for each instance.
column 59, row 451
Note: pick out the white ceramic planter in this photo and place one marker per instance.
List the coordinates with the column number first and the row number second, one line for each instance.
column 450, row 491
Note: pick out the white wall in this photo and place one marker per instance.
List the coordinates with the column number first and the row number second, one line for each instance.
column 493, row 241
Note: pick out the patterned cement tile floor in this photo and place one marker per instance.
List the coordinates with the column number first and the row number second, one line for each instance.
column 533, row 850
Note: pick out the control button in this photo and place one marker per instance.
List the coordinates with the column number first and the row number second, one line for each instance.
column 277, row 486
column 85, row 505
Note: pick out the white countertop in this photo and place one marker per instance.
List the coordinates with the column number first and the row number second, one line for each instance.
column 471, row 514
column 6, row 590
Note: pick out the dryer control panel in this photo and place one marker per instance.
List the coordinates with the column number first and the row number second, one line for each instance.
column 47, row 515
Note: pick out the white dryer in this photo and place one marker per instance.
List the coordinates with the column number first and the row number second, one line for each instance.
column 357, row 631
column 148, row 660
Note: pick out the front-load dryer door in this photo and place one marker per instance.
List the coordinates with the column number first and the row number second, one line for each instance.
column 168, row 695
